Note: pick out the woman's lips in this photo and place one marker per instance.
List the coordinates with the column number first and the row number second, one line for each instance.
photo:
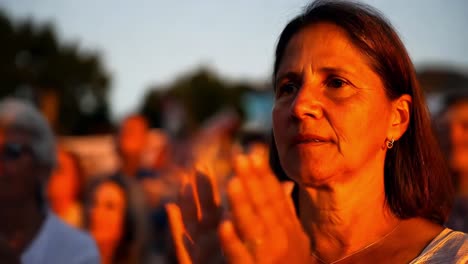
column 309, row 139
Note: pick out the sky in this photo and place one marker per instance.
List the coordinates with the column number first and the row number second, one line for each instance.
column 151, row 42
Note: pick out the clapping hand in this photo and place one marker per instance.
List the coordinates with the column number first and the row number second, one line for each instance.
column 263, row 227
column 194, row 221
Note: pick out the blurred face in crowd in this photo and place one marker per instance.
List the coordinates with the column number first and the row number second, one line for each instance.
column 107, row 213
column 457, row 119
column 331, row 115
column 133, row 135
column 20, row 173
column 155, row 153
column 63, row 183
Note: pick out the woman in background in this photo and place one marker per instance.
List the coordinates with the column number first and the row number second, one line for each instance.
column 454, row 120
column 114, row 218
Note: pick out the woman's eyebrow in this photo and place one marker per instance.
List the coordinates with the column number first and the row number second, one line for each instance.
column 290, row 75
column 335, row 70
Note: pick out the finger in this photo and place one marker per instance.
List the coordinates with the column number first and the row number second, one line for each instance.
column 283, row 206
column 234, row 250
column 282, row 209
column 262, row 202
column 189, row 209
column 265, row 204
column 206, row 194
column 177, row 232
column 245, row 220
column 252, row 184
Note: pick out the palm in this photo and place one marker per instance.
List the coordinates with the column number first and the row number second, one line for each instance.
column 194, row 222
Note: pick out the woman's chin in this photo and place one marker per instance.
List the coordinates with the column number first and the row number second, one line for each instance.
column 314, row 179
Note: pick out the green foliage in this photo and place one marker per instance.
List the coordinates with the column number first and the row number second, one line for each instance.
column 33, row 62
column 152, row 107
column 202, row 93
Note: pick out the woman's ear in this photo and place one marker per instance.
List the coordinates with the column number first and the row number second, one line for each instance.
column 401, row 112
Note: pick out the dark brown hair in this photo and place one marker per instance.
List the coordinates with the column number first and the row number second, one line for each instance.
column 415, row 175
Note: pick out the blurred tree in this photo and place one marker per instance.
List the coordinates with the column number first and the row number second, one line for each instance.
column 440, row 79
column 202, row 93
column 69, row 85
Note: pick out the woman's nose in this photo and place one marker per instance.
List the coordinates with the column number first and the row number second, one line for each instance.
column 307, row 103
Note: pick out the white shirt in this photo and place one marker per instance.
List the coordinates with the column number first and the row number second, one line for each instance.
column 57, row 243
column 448, row 247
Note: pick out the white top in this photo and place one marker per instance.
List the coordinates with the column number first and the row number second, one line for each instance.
column 57, row 242
column 448, row 247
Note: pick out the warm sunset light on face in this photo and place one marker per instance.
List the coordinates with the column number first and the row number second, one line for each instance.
column 133, row 135
column 107, row 214
column 241, row 132
column 327, row 101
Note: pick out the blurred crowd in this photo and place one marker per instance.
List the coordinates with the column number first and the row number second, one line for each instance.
column 123, row 208
column 73, row 192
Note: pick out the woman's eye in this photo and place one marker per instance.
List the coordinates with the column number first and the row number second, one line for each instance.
column 339, row 88
column 336, row 83
column 287, row 88
column 110, row 206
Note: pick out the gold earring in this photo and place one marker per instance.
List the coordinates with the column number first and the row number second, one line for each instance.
column 390, row 143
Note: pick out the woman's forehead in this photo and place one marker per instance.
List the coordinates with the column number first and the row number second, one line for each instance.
column 323, row 45
column 111, row 191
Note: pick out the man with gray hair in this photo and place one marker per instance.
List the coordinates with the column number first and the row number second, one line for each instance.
column 29, row 231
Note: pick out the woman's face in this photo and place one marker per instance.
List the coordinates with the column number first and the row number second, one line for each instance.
column 133, row 136
column 457, row 119
column 107, row 213
column 331, row 115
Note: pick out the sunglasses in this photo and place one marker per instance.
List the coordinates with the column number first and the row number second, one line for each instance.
column 13, row 151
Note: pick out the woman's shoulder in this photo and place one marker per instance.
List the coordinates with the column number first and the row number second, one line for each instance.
column 448, row 247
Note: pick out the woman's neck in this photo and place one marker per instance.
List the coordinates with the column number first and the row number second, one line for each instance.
column 107, row 251
column 346, row 216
